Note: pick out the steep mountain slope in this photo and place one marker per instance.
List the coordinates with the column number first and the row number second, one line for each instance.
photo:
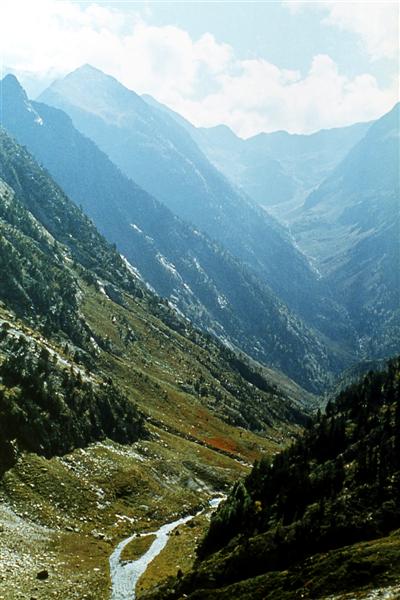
column 276, row 169
column 348, row 226
column 351, row 226
column 51, row 250
column 317, row 520
column 152, row 149
column 82, row 343
column 42, row 393
column 38, row 217
column 203, row 281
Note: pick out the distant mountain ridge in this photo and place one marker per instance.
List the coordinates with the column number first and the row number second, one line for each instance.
column 201, row 279
column 276, row 169
column 156, row 152
column 351, row 226
column 348, row 223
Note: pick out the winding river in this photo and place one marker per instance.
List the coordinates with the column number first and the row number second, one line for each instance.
column 125, row 575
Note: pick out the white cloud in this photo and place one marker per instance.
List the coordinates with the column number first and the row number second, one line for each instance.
column 375, row 23
column 202, row 79
column 262, row 97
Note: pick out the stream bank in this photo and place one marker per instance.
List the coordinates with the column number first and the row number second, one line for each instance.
column 125, row 575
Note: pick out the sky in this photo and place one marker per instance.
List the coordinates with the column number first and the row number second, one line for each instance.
column 254, row 66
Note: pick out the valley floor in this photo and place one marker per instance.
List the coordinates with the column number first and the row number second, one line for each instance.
column 61, row 518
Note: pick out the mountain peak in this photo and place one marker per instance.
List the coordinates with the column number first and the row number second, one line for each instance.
column 224, row 132
column 84, row 74
column 88, row 69
column 10, row 84
column 91, row 90
column 15, row 103
column 79, row 78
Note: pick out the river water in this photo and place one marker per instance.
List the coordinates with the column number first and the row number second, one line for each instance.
column 125, row 575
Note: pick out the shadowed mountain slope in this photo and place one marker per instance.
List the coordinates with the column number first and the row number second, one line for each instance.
column 351, row 226
column 321, row 519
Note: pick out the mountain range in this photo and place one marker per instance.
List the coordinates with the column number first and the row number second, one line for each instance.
column 292, row 297
column 202, row 279
column 49, row 244
column 157, row 153
column 145, row 303
column 338, row 191
column 278, row 170
column 350, row 224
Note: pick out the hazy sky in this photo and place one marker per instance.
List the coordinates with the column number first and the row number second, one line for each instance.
column 255, row 66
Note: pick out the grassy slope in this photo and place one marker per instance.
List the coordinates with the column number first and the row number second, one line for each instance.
column 90, row 498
